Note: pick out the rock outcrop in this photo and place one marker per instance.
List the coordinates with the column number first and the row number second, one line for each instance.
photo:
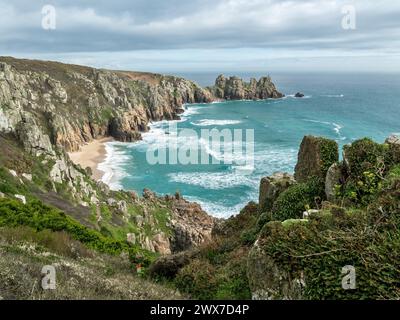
column 234, row 88
column 315, row 157
column 191, row 225
column 333, row 178
column 271, row 187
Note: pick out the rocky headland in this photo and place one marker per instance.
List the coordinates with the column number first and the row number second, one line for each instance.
column 51, row 109
column 293, row 244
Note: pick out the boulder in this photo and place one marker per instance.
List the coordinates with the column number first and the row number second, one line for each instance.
column 271, row 187
column 309, row 213
column 122, row 206
column 161, row 244
column 333, row 178
column 299, row 95
column 315, row 157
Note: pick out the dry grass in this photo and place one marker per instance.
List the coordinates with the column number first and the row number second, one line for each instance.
column 86, row 275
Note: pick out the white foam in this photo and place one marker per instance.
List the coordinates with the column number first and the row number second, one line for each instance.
column 335, row 127
column 219, row 210
column 112, row 166
column 210, row 180
column 333, row 95
column 212, row 122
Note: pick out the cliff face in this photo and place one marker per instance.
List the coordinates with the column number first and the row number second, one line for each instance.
column 76, row 104
column 72, row 104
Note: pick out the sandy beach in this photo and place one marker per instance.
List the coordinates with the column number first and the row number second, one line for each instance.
column 90, row 155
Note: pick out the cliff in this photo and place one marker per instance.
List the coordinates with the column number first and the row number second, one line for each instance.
column 49, row 108
column 75, row 104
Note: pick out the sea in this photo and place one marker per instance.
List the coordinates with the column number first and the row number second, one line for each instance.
column 343, row 107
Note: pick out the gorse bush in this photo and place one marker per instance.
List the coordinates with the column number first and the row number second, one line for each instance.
column 296, row 199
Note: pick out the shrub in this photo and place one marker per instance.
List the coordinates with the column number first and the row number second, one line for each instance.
column 198, row 280
column 294, row 201
column 365, row 155
column 367, row 164
column 233, row 283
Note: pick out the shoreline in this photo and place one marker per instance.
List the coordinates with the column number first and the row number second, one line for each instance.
column 91, row 155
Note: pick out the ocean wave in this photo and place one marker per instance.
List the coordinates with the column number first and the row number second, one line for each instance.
column 333, row 95
column 219, row 210
column 335, row 127
column 212, row 122
column 112, row 166
column 210, row 180
column 233, row 152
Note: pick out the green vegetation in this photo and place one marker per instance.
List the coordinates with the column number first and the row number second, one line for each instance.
column 366, row 239
column 296, row 199
column 329, row 153
column 41, row 217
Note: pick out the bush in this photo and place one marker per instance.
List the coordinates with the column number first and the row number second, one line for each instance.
column 294, row 201
column 367, row 164
column 365, row 155
column 198, row 280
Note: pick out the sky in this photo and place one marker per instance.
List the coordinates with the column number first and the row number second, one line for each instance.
column 207, row 35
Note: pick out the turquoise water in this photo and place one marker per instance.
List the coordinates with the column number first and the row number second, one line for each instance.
column 340, row 107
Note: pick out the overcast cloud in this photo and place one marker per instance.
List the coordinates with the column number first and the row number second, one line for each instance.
column 183, row 35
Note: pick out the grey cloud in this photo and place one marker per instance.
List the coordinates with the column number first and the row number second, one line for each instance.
column 270, row 25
